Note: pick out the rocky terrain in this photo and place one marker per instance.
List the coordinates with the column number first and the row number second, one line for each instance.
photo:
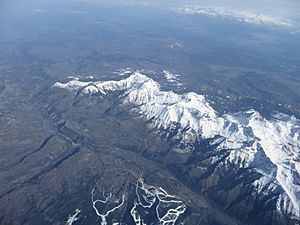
column 262, row 156
column 89, row 163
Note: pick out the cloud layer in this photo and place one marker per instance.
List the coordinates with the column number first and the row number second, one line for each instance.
column 242, row 16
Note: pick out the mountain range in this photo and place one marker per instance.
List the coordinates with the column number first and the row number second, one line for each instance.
column 248, row 164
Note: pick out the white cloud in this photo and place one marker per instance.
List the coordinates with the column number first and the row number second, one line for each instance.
column 295, row 32
column 75, row 11
column 38, row 10
column 242, row 16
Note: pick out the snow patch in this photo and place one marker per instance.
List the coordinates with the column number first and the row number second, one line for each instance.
column 114, row 205
column 150, row 198
column 73, row 218
column 172, row 78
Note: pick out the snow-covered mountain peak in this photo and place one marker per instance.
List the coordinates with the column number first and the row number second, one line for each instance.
column 272, row 146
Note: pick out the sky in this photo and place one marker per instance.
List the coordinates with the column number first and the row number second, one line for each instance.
column 289, row 8
column 282, row 11
column 286, row 9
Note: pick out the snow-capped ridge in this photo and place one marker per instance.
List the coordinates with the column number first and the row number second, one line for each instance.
column 253, row 140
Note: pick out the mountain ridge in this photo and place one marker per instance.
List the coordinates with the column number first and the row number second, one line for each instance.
column 270, row 147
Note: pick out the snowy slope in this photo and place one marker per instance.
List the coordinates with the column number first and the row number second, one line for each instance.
column 253, row 140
